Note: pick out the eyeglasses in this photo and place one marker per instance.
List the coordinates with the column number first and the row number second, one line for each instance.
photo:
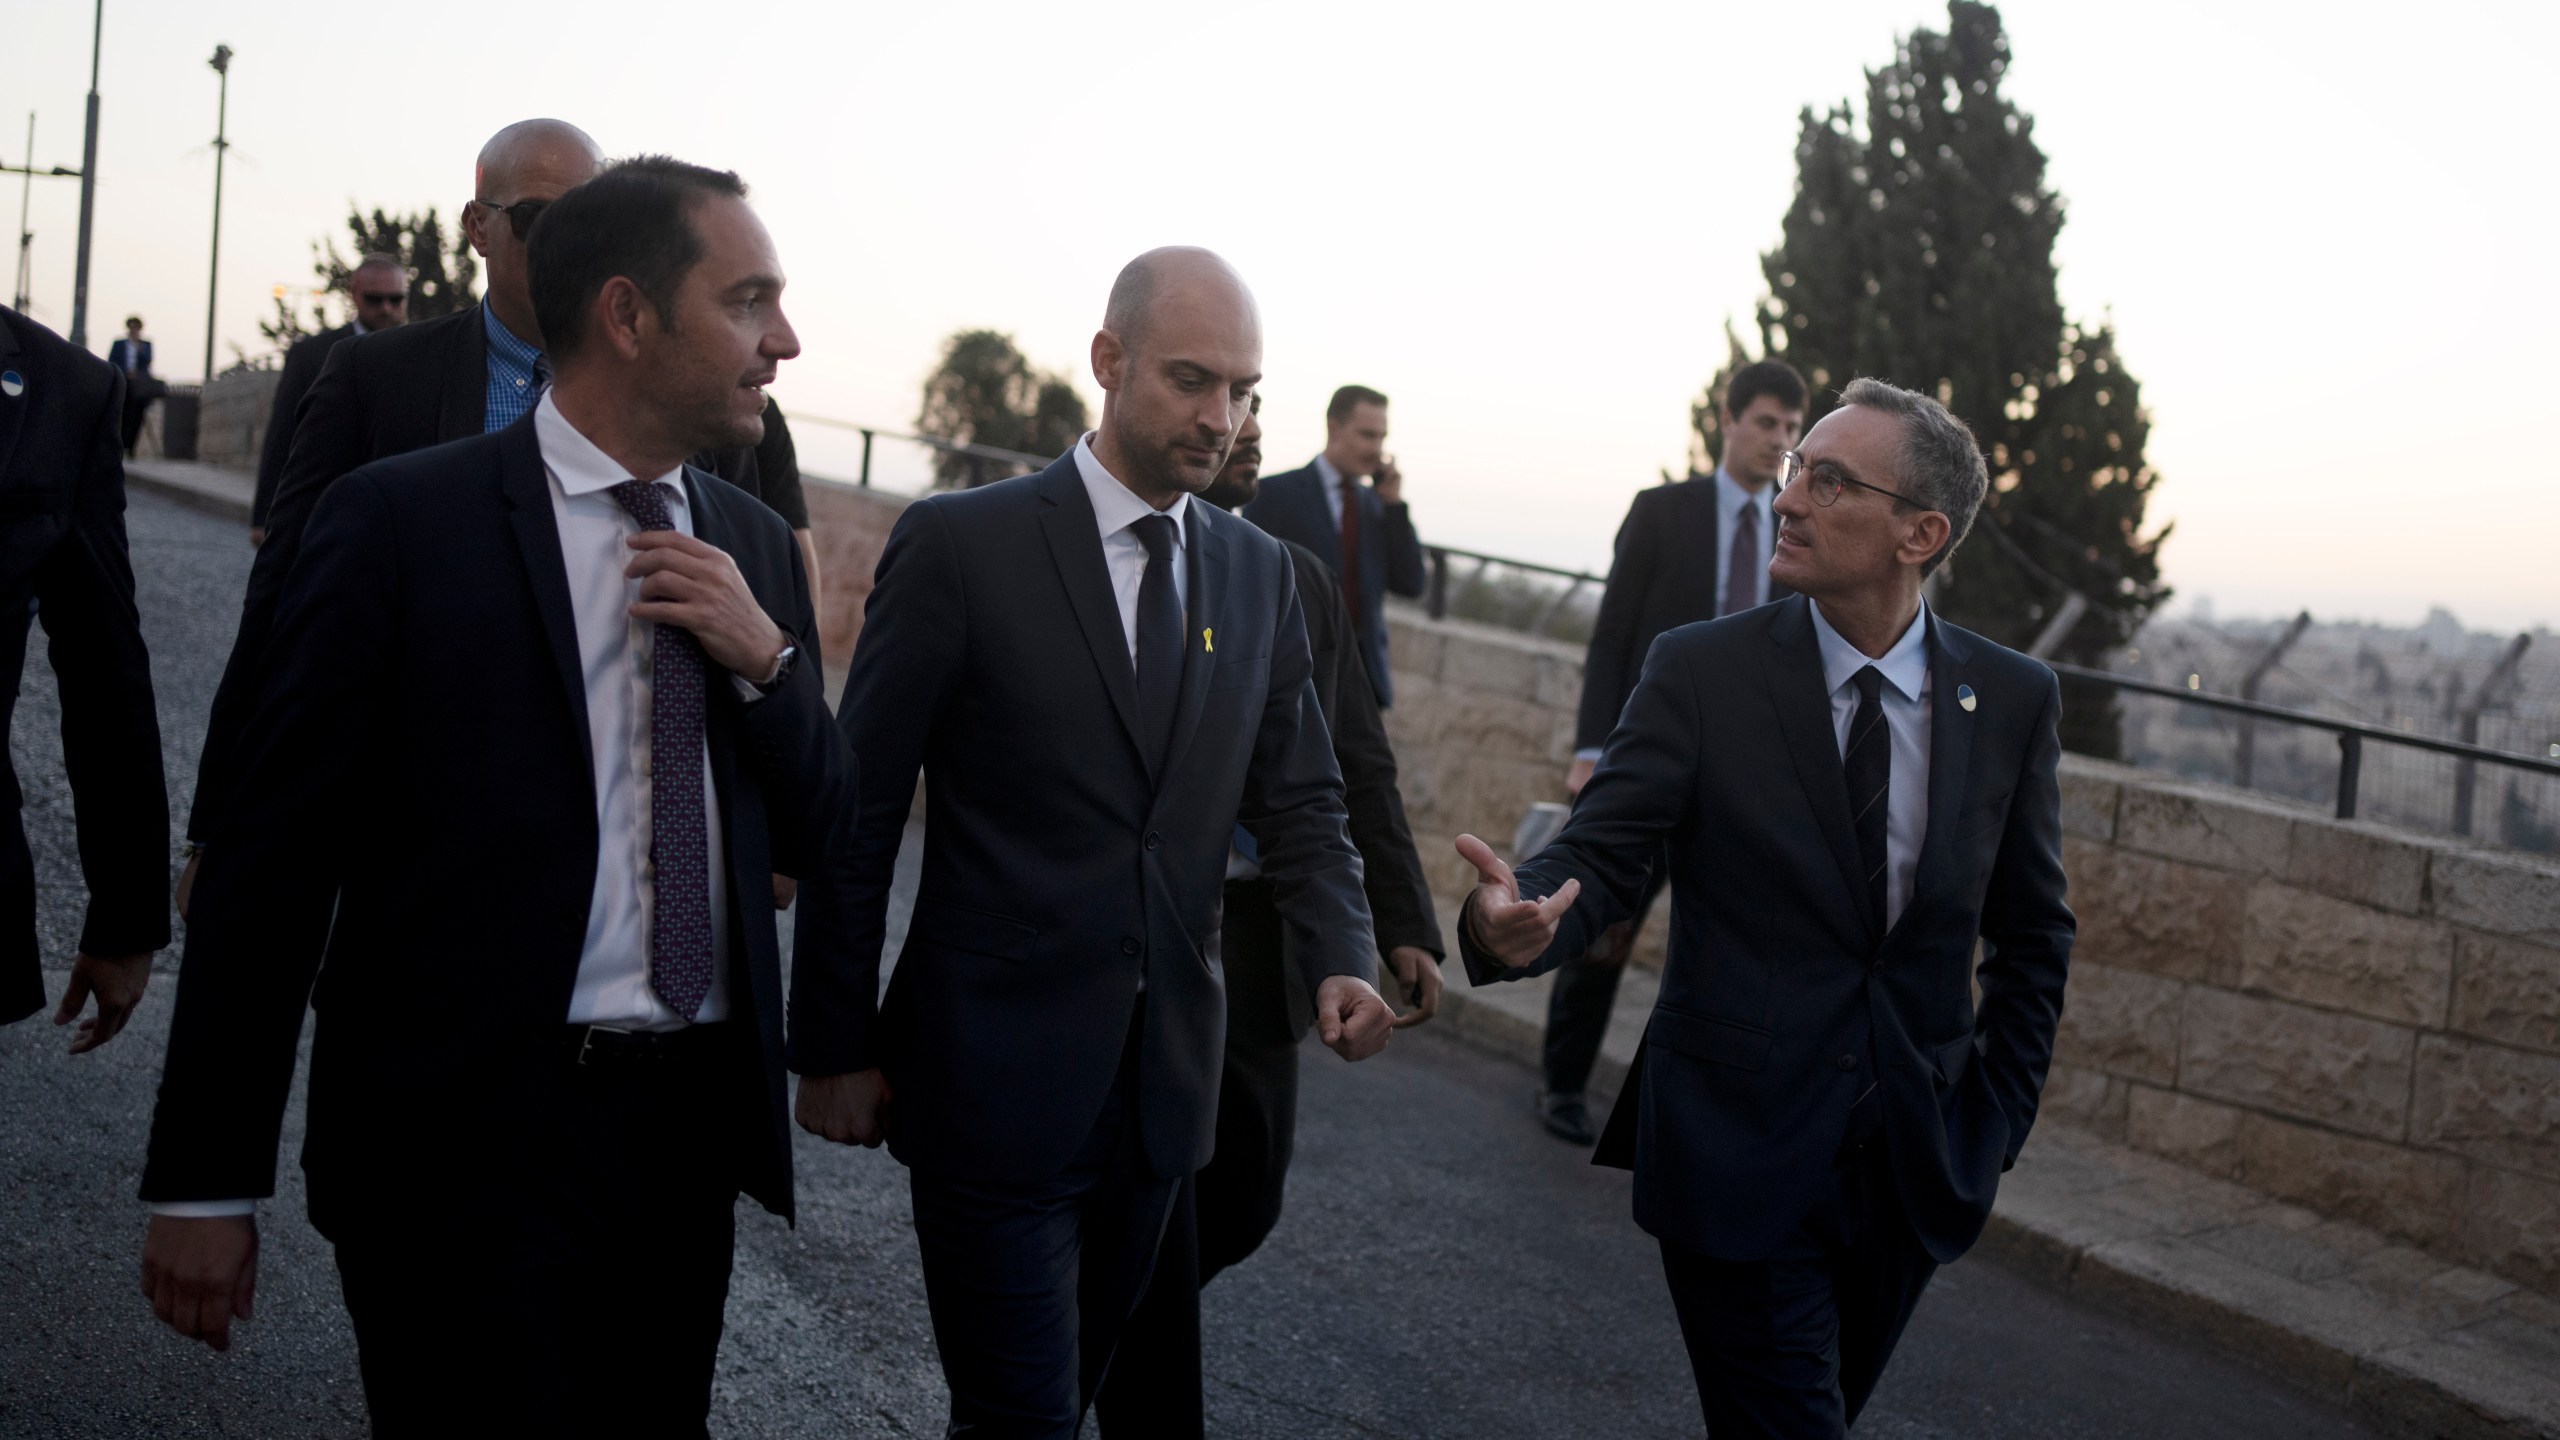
column 1828, row 480
column 520, row 215
column 392, row 297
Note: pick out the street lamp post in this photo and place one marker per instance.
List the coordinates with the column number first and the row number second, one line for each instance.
column 221, row 63
column 88, row 185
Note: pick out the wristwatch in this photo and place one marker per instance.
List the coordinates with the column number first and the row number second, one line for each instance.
column 782, row 667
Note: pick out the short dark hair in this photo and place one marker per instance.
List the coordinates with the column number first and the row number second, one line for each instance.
column 133, row 320
column 1350, row 398
column 1774, row 378
column 634, row 220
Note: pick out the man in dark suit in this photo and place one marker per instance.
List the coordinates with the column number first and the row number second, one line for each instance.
column 1367, row 529
column 1853, row 793
column 1100, row 680
column 1222, row 1214
column 377, row 299
column 770, row 471
column 63, row 562
column 1689, row 551
column 132, row 355
column 539, row 729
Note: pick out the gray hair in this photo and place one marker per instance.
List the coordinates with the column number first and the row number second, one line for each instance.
column 1942, row 467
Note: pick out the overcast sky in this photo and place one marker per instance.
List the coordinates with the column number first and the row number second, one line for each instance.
column 2326, row 249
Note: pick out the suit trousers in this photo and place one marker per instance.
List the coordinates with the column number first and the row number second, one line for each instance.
column 1579, row 1003
column 1031, row 1285
column 583, row 1293
column 1221, row 1214
column 1790, row 1346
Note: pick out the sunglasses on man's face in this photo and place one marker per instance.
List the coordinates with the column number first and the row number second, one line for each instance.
column 520, row 215
column 393, row 297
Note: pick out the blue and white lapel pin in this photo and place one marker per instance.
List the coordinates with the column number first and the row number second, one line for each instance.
column 12, row 384
column 1964, row 698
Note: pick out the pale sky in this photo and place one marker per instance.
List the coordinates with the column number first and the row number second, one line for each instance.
column 2323, row 233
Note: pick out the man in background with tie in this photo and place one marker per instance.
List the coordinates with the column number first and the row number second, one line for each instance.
column 1364, row 531
column 1849, row 794
column 533, row 737
column 1692, row 550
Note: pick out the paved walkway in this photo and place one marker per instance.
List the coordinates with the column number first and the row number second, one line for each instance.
column 1444, row 1269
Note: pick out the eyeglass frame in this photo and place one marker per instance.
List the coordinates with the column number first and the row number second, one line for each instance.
column 1793, row 464
column 518, row 222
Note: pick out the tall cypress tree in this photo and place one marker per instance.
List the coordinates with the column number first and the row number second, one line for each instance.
column 1919, row 249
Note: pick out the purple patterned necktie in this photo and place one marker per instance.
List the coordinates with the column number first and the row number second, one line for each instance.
column 679, row 838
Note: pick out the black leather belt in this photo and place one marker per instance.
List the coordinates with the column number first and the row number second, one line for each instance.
column 602, row 1045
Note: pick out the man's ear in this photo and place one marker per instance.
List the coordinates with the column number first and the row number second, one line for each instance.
column 473, row 225
column 623, row 316
column 1923, row 535
column 1110, row 358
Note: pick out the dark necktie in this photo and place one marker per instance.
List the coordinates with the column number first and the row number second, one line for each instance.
column 1159, row 640
column 1351, row 548
column 1742, row 562
column 679, row 834
column 1869, row 765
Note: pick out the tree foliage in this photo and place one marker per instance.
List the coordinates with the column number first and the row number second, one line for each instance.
column 1919, row 249
column 984, row 392
column 442, row 278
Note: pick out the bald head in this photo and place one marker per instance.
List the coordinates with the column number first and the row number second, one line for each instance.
column 1172, row 277
column 530, row 148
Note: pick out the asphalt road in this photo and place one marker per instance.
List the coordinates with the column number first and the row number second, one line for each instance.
column 1444, row 1269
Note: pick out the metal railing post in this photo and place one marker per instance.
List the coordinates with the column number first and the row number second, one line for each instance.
column 865, row 482
column 2244, row 760
column 2466, row 772
column 1438, row 601
column 2350, row 771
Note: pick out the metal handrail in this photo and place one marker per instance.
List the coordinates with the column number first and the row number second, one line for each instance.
column 1435, row 599
column 995, row 453
column 2352, row 734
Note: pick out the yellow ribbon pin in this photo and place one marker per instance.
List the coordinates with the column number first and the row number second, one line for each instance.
column 1206, row 643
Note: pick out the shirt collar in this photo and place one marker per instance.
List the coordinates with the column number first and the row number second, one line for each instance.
column 574, row 460
column 1731, row 497
column 1905, row 667
column 1328, row 473
column 1116, row 507
column 504, row 345
column 356, row 327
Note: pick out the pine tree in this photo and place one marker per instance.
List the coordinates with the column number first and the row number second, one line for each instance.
column 984, row 392
column 1919, row 249
column 442, row 279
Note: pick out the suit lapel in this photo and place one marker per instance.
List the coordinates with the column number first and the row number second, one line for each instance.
column 1075, row 545
column 1952, row 734
column 1207, row 584
column 1792, row 668
column 528, row 497
column 465, row 410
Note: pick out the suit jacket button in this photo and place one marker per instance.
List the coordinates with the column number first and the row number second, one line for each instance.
column 1847, row 1062
column 1128, row 945
column 1154, row 840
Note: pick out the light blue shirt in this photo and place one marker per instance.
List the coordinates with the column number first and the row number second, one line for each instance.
column 1905, row 697
column 513, row 382
column 1731, row 501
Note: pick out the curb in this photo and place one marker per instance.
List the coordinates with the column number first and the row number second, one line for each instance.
column 188, row 485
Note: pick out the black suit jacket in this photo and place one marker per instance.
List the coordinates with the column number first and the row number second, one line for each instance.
column 1780, row 1004
column 1399, row 894
column 1058, row 869
column 416, row 759
column 302, row 364
column 62, row 555
column 116, row 350
column 1292, row 506
column 1664, row 576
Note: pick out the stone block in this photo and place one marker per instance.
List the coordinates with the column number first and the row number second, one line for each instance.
column 2511, row 1224
column 2089, row 796
column 2399, row 1191
column 1413, row 649
column 2091, row 1099
column 1477, row 663
column 2228, row 830
column 2352, row 860
column 2506, row 990
column 2201, row 1133
column 2122, row 1022
column 2341, row 1070
column 2346, row 956
column 2145, row 913
column 2492, row 1104
column 2501, row 892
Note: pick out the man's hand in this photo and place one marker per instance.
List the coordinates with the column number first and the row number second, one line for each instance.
column 257, row 536
column 1417, row 973
column 686, row 582
column 1389, row 481
column 1579, row 775
column 117, row 981
column 187, row 882
column 1352, row 1018
column 201, row 1274
column 850, row 1109
column 1516, row 931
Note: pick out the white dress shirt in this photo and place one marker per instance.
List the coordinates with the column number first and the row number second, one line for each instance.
column 1731, row 501
column 1116, row 508
column 1905, row 697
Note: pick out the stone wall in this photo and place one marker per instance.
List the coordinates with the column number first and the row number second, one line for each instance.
column 850, row 524
column 231, row 419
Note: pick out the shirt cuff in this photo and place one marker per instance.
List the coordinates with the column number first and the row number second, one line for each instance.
column 1592, row 755
column 203, row 1209
column 747, row 689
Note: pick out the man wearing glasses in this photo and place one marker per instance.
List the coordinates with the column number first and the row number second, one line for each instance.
column 1853, row 793
column 377, row 299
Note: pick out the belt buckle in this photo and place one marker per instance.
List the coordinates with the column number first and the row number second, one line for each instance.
column 587, row 1042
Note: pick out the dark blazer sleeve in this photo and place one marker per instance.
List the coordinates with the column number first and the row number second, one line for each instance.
column 1634, row 802
column 263, row 901
column 302, row 365
column 1406, row 574
column 2027, row 930
column 1293, row 806
column 328, row 441
column 914, row 636
column 110, row 729
column 1609, row 662
column 800, row 759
